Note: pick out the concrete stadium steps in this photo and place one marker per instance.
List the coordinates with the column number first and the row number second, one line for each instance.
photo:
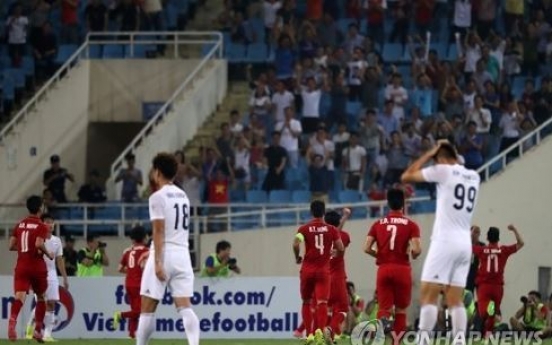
column 237, row 98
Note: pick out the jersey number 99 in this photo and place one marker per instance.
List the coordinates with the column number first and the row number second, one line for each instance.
column 464, row 199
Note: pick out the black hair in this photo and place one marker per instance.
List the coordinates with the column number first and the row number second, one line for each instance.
column 395, row 199
column 350, row 285
column 91, row 238
column 535, row 293
column 447, row 150
column 222, row 245
column 46, row 216
column 166, row 164
column 34, row 204
column 318, row 208
column 493, row 235
column 138, row 234
column 332, row 218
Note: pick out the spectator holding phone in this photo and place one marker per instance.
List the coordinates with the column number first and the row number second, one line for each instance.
column 220, row 264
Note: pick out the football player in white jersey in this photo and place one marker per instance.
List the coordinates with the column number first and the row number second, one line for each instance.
column 54, row 246
column 168, row 264
column 448, row 260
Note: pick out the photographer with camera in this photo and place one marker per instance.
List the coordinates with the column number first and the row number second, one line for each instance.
column 531, row 317
column 220, row 264
column 92, row 259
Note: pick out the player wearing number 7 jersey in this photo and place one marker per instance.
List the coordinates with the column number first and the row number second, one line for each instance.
column 319, row 239
column 448, row 259
column 169, row 264
column 132, row 264
column 395, row 238
column 490, row 275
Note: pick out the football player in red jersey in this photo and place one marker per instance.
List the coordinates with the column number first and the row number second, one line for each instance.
column 132, row 263
column 490, row 274
column 319, row 239
column 395, row 238
column 28, row 239
column 339, row 298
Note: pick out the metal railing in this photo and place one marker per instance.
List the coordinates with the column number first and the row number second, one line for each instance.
column 215, row 51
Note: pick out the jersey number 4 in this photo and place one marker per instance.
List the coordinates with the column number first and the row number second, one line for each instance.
column 185, row 217
column 319, row 243
column 464, row 199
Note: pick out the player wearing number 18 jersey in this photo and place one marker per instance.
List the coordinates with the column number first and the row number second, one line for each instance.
column 319, row 239
column 490, row 275
column 448, row 259
column 169, row 264
column 395, row 237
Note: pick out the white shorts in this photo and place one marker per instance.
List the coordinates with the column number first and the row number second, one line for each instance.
column 52, row 292
column 447, row 264
column 179, row 272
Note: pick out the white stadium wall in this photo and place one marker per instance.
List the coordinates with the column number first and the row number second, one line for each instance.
column 118, row 87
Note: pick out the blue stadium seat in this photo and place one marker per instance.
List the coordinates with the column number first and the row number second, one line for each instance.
column 452, row 53
column 302, row 197
column 8, row 87
column 256, row 25
column 256, row 197
column 65, row 51
column 257, row 53
column 349, row 196
column 108, row 212
column 279, row 197
column 353, row 112
column 17, row 76
column 206, row 49
column 28, row 66
column 132, row 212
column 112, row 51
column 393, row 52
column 138, row 51
column 236, row 52
column 343, row 24
column 75, row 213
column 94, row 51
column 237, row 195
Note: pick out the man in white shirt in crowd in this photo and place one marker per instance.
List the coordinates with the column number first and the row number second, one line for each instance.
column 354, row 163
column 321, row 146
column 281, row 100
column 356, row 67
column 235, row 126
column 397, row 93
column 53, row 245
column 270, row 15
column 482, row 118
column 290, row 130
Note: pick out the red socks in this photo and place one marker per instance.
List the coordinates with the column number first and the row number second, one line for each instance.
column 489, row 325
column 40, row 311
column 301, row 327
column 307, row 316
column 15, row 309
column 321, row 316
column 337, row 320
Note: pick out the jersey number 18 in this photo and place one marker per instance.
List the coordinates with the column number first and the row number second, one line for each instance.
column 185, row 217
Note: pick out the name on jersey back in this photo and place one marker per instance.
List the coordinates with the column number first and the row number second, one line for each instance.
column 394, row 220
column 28, row 225
column 492, row 250
column 175, row 195
column 318, row 229
column 467, row 177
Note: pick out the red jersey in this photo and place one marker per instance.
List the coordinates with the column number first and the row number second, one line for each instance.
column 337, row 264
column 27, row 232
column 392, row 235
column 492, row 260
column 132, row 260
column 319, row 238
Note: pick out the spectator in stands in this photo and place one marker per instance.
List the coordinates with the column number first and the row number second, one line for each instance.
column 131, row 178
column 96, row 16
column 451, row 98
column 281, row 100
column 275, row 157
column 49, row 202
column 16, row 27
column 260, row 104
column 181, row 171
column 220, row 264
column 92, row 192
column 412, row 141
column 328, row 31
column 396, row 93
column 354, row 163
column 39, row 13
column 270, row 12
column 191, row 184
column 45, row 49
column 397, row 159
column 375, row 193
column 93, row 258
column 70, row 256
column 236, row 128
column 127, row 14
column 388, row 121
column 318, row 178
column 224, row 142
column 482, row 118
column 218, row 194
column 371, row 135
column 509, row 127
column 241, row 168
column 290, row 130
column 153, row 15
column 320, row 145
column 284, row 57
column 353, row 39
column 70, row 21
column 472, row 147
column 341, row 141
column 55, row 177
column 311, row 96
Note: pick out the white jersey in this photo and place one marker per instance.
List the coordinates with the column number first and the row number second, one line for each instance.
column 171, row 204
column 457, row 191
column 53, row 245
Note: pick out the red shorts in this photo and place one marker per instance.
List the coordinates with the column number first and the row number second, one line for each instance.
column 339, row 298
column 25, row 279
column 394, row 285
column 315, row 284
column 134, row 298
column 487, row 293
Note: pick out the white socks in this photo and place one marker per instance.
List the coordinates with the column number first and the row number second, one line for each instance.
column 49, row 320
column 31, row 319
column 146, row 326
column 191, row 325
column 459, row 321
column 428, row 319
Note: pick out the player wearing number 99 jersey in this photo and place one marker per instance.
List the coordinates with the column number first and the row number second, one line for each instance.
column 319, row 239
column 448, row 259
column 490, row 275
column 395, row 237
column 168, row 265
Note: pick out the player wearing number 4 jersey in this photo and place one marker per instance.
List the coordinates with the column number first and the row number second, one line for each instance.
column 490, row 275
column 448, row 260
column 132, row 264
column 28, row 239
column 168, row 265
column 319, row 239
column 395, row 237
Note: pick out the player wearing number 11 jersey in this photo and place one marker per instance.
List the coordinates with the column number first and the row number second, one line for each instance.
column 169, row 264
column 319, row 239
column 395, row 237
column 447, row 263
column 490, row 275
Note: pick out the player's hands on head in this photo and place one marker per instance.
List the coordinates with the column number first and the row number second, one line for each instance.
column 511, row 227
column 160, row 272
